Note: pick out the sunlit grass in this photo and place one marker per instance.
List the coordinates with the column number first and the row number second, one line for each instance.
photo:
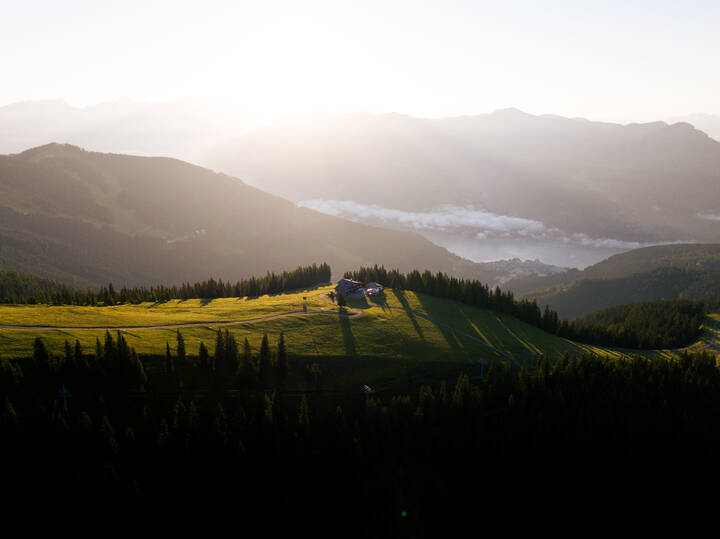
column 390, row 328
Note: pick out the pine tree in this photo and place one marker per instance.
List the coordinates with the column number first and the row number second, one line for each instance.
column 232, row 355
column 169, row 367
column 78, row 355
column 265, row 366
column 40, row 354
column 282, row 359
column 109, row 348
column 204, row 357
column 180, row 348
column 108, row 433
column 219, row 358
column 304, row 412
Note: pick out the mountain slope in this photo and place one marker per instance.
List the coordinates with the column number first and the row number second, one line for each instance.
column 89, row 218
column 690, row 271
column 636, row 183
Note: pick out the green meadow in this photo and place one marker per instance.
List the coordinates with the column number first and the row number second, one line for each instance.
column 398, row 325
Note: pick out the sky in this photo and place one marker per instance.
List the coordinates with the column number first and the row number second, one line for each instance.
column 604, row 60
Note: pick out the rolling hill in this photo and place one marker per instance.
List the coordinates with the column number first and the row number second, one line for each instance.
column 690, row 271
column 87, row 218
column 402, row 325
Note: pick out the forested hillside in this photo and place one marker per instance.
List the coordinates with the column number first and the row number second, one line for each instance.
column 156, row 430
column 89, row 218
column 647, row 325
column 18, row 287
column 690, row 271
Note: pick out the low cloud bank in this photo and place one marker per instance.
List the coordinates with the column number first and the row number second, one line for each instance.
column 443, row 218
column 480, row 223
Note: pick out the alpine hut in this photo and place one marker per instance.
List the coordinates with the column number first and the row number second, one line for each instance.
column 349, row 287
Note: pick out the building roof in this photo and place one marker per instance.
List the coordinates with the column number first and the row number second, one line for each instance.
column 344, row 285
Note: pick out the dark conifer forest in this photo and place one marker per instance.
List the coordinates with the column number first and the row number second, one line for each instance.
column 167, row 430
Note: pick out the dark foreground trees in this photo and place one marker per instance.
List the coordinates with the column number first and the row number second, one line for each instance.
column 428, row 452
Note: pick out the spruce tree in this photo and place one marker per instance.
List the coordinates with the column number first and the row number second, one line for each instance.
column 169, row 367
column 204, row 357
column 78, row 355
column 232, row 355
column 265, row 365
column 282, row 359
column 219, row 358
column 40, row 354
column 304, row 412
column 109, row 348
column 180, row 348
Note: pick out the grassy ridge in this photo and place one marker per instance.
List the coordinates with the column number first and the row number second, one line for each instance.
column 391, row 328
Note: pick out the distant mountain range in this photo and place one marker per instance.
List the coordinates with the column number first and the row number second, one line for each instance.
column 506, row 185
column 506, row 175
column 182, row 129
column 88, row 218
column 690, row 271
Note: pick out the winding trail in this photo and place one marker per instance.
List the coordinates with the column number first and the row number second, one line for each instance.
column 357, row 313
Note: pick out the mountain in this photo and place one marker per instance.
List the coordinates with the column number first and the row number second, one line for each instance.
column 87, row 218
column 546, row 178
column 179, row 129
column 690, row 271
column 708, row 123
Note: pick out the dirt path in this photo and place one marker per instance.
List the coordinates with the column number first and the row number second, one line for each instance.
column 356, row 313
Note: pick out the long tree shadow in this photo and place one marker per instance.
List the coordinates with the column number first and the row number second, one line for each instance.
column 448, row 334
column 348, row 337
column 381, row 301
column 358, row 303
column 400, row 295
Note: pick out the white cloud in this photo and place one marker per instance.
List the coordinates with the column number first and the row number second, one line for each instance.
column 482, row 224
column 709, row 216
column 442, row 218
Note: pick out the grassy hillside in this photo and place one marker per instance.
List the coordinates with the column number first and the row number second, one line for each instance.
column 403, row 326
column 88, row 218
column 689, row 271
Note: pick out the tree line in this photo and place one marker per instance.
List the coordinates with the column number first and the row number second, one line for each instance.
column 668, row 324
column 21, row 289
column 414, row 457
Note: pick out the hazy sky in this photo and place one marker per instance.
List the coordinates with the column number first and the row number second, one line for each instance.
column 612, row 60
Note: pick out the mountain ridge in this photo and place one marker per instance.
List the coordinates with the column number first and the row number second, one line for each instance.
column 88, row 218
